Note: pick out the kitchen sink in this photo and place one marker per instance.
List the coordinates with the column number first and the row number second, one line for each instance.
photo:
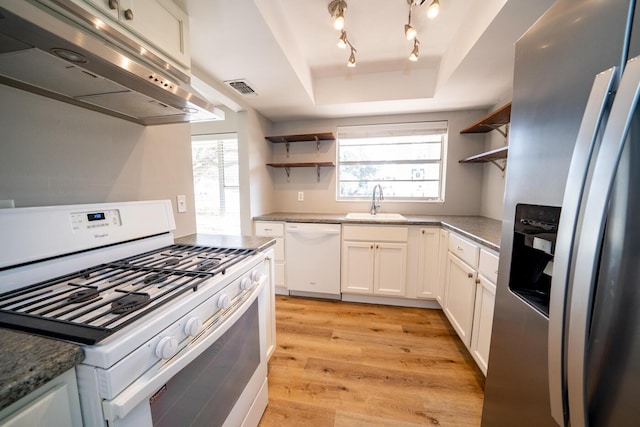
column 376, row 217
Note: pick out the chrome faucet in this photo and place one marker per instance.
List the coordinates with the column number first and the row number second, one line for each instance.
column 375, row 206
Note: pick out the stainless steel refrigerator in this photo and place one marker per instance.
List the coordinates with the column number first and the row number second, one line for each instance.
column 565, row 346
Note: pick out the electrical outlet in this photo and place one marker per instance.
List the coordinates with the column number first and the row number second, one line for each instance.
column 301, row 196
column 182, row 203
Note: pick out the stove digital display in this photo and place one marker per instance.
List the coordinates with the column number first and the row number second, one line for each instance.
column 96, row 216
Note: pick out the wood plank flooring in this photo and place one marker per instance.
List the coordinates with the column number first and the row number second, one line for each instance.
column 347, row 364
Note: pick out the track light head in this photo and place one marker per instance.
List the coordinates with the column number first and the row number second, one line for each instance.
column 336, row 10
column 410, row 32
column 433, row 9
column 352, row 59
column 342, row 41
column 415, row 53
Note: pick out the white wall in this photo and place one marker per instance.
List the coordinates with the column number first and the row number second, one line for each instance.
column 54, row 153
column 463, row 182
column 493, row 179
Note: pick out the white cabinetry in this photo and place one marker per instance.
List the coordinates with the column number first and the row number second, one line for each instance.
column 54, row 404
column 160, row 24
column 460, row 297
column 276, row 230
column 428, row 262
column 374, row 260
column 443, row 254
column 483, row 313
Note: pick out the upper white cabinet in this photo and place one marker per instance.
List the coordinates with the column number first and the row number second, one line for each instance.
column 428, row 262
column 374, row 260
column 160, row 24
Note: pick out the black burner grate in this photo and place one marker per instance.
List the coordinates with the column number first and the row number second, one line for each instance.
column 91, row 304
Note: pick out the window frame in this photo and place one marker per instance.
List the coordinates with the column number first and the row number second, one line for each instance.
column 390, row 130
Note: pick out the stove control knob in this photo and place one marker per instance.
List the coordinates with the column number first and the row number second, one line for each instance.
column 167, row 347
column 246, row 284
column 224, row 301
column 255, row 275
column 193, row 326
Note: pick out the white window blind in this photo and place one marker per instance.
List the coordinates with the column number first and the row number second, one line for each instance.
column 405, row 159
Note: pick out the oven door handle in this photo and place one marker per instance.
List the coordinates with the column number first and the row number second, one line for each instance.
column 148, row 383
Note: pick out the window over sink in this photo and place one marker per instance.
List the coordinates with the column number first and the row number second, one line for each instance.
column 406, row 159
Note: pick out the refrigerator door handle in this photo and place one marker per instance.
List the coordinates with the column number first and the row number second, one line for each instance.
column 598, row 101
column 591, row 233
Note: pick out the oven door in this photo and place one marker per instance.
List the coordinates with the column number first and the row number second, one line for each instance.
column 214, row 381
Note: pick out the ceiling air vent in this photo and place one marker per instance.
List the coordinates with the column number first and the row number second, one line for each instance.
column 242, row 86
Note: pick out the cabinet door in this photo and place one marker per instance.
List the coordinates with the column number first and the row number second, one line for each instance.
column 443, row 252
column 428, row 262
column 482, row 322
column 159, row 22
column 389, row 276
column 460, row 297
column 357, row 267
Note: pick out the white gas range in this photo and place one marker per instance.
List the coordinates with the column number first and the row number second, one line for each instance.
column 166, row 329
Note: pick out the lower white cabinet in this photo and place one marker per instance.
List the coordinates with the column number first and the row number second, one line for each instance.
column 482, row 322
column 469, row 295
column 460, row 295
column 428, row 263
column 275, row 230
column 443, row 253
column 374, row 260
column 54, row 404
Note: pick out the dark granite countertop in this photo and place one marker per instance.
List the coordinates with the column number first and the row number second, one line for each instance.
column 216, row 240
column 485, row 231
column 30, row 361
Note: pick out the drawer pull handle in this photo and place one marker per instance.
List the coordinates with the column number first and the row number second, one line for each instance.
column 459, row 248
column 469, row 275
column 477, row 281
column 268, row 229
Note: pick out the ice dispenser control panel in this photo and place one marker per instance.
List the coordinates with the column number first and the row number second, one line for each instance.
column 97, row 220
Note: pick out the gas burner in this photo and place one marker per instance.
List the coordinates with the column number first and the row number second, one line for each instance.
column 171, row 261
column 209, row 263
column 83, row 295
column 155, row 278
column 130, row 302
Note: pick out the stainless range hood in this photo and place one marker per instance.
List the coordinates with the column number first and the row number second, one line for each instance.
column 44, row 52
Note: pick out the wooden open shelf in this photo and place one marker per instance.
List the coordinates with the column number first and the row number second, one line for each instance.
column 498, row 118
column 489, row 156
column 307, row 137
column 287, row 166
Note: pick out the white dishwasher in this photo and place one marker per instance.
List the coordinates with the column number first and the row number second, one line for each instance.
column 312, row 252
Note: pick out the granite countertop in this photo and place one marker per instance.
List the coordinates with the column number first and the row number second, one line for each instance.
column 485, row 231
column 216, row 240
column 29, row 361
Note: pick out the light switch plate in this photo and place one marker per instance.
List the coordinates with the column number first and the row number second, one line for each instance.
column 182, row 203
column 301, row 196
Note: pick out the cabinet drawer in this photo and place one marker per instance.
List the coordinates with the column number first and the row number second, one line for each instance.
column 269, row 229
column 375, row 233
column 463, row 249
column 488, row 265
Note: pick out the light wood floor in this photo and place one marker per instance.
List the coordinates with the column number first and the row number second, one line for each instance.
column 346, row 364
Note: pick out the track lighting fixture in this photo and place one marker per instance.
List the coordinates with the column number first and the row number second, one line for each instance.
column 416, row 50
column 336, row 10
column 433, row 9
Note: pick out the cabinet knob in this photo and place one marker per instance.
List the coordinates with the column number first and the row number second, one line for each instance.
column 113, row 4
column 377, row 247
column 469, row 275
column 371, row 246
column 477, row 281
column 422, row 231
column 128, row 15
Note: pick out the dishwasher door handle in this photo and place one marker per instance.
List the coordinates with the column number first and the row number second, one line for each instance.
column 313, row 232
